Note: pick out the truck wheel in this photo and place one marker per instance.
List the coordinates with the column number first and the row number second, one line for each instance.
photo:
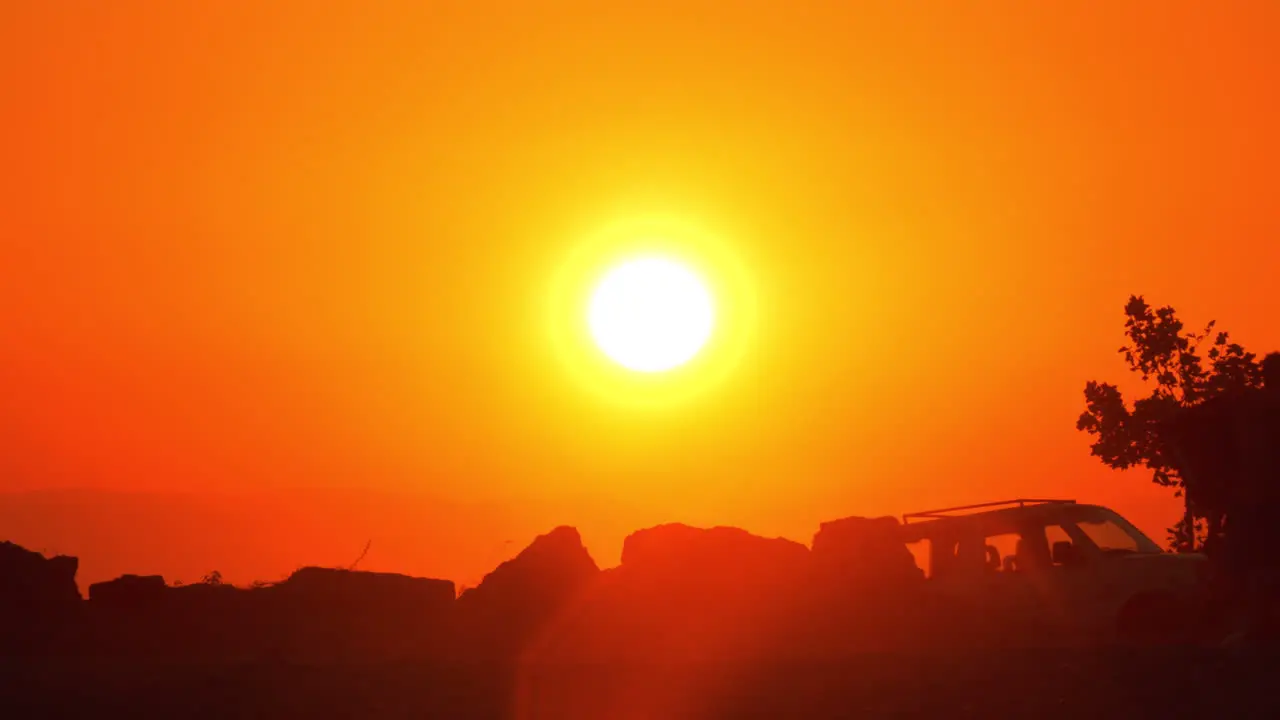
column 1152, row 619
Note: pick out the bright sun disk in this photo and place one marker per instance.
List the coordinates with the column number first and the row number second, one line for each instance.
column 651, row 315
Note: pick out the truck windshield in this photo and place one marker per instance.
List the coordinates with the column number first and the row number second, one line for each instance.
column 1116, row 535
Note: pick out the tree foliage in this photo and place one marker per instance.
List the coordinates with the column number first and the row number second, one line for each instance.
column 1181, row 368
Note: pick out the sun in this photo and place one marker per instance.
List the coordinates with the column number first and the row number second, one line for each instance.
column 651, row 314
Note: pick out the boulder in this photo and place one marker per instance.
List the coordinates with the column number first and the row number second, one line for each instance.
column 128, row 592
column 29, row 581
column 354, row 589
column 208, row 620
column 688, row 593
column 128, row 616
column 39, row 600
column 330, row 613
column 522, row 600
column 316, row 614
column 868, row 593
column 718, row 556
column 866, row 553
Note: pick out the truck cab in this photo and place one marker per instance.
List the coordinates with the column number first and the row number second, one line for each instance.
column 1083, row 571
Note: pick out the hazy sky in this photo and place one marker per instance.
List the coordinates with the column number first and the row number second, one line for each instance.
column 295, row 246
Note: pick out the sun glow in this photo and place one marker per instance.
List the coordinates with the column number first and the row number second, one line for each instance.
column 651, row 315
column 651, row 312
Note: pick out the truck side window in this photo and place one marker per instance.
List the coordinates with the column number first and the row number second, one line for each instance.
column 920, row 550
column 1055, row 534
column 1002, row 552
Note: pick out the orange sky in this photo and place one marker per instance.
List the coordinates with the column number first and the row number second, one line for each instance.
column 294, row 248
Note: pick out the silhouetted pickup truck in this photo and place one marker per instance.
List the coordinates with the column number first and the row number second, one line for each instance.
column 1080, row 571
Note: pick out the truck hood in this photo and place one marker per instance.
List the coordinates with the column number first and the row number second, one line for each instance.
column 1179, row 568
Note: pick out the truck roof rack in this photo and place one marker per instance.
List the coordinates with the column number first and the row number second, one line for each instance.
column 949, row 512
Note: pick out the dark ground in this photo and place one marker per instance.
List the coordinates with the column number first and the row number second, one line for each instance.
column 1071, row 684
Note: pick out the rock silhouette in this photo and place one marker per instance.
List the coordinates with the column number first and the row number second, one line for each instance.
column 677, row 552
column 129, row 592
column 38, row 597
column 866, row 553
column 680, row 593
column 33, row 582
column 317, row 613
column 866, row 590
column 341, row 613
column 520, row 599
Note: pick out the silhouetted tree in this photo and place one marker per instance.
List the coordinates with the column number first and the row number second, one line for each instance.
column 1169, row 358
